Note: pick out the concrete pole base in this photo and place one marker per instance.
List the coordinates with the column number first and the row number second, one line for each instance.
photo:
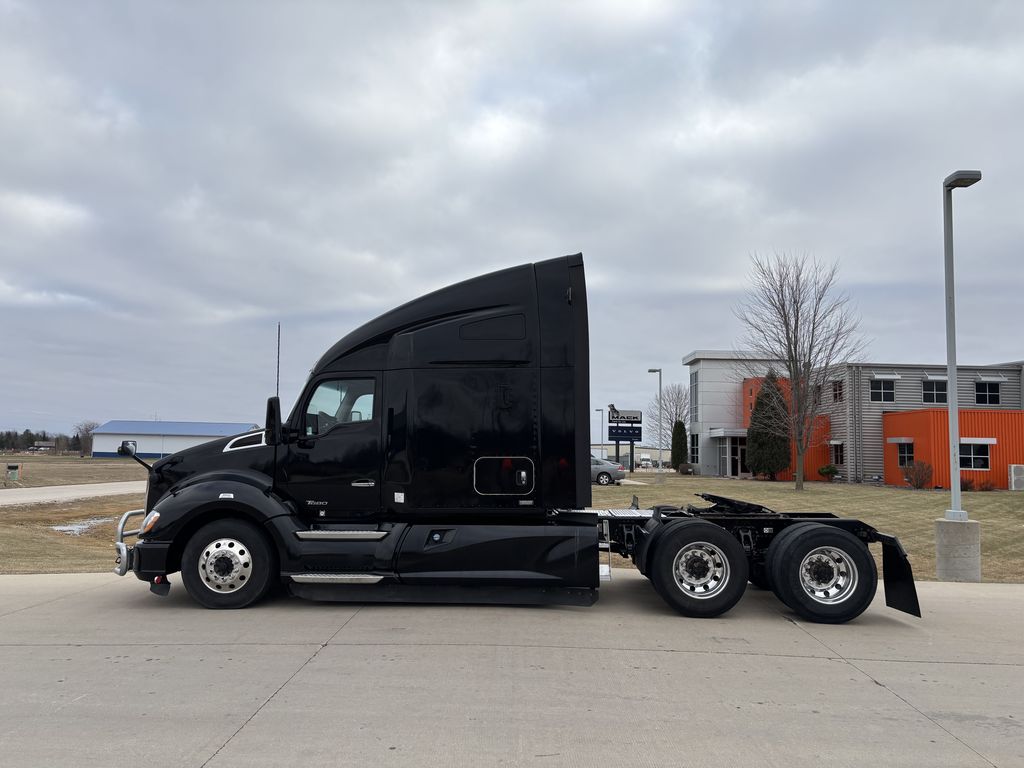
column 957, row 550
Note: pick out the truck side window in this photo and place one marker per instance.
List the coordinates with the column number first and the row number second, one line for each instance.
column 338, row 401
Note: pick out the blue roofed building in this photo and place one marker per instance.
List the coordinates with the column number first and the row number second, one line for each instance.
column 155, row 439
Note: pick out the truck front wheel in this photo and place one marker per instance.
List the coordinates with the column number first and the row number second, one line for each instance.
column 699, row 569
column 226, row 564
column 825, row 574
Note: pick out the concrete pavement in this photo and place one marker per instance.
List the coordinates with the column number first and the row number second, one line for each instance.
column 95, row 671
column 15, row 496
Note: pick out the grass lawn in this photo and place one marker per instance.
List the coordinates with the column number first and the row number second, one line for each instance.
column 906, row 513
column 38, row 471
column 29, row 545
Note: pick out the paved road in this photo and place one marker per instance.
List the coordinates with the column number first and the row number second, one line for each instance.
column 14, row 496
column 95, row 671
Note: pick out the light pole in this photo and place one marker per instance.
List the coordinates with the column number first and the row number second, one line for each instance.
column 660, row 422
column 954, row 180
column 601, row 431
column 957, row 539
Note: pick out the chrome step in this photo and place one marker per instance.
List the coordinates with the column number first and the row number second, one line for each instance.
column 605, row 572
column 336, row 578
column 325, row 535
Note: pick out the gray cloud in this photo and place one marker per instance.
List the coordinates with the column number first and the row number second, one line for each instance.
column 177, row 178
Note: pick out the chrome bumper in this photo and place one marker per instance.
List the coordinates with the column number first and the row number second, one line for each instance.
column 123, row 561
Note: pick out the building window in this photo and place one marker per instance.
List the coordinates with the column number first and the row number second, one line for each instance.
column 933, row 392
column 905, row 453
column 973, row 456
column 837, row 455
column 694, row 414
column 837, row 391
column 883, row 391
column 694, row 449
column 986, row 392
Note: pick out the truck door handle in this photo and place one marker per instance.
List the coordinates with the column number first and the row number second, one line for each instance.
column 521, row 478
column 363, row 483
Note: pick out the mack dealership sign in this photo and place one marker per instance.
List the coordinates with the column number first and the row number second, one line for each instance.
column 615, row 416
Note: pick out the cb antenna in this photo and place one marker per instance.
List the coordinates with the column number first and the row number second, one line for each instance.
column 277, row 388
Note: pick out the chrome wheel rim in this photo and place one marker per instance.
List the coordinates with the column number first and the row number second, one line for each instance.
column 828, row 575
column 225, row 566
column 700, row 570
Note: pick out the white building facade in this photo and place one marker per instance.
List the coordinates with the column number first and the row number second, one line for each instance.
column 155, row 439
column 718, row 439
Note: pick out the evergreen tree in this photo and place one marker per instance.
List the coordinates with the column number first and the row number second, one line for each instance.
column 678, row 444
column 768, row 438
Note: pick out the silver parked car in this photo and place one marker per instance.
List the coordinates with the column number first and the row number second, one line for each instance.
column 606, row 472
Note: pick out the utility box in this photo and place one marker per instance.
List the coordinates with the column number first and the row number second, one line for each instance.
column 14, row 471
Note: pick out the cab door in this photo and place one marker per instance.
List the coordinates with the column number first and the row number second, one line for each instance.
column 331, row 467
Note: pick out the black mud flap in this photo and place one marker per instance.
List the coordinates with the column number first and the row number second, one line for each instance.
column 160, row 586
column 900, row 592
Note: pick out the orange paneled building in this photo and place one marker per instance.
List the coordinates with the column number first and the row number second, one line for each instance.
column 990, row 441
column 817, row 455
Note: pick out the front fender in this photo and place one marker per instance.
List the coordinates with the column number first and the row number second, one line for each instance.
column 185, row 509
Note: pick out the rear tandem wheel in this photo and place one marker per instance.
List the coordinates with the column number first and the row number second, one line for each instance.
column 699, row 569
column 825, row 574
column 771, row 556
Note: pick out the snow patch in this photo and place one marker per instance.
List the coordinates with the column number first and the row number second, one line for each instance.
column 80, row 527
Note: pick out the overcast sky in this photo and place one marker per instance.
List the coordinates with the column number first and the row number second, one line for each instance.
column 176, row 178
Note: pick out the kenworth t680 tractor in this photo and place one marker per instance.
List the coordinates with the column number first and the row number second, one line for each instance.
column 440, row 453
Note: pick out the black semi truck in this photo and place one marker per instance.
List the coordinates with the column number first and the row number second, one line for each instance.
column 438, row 454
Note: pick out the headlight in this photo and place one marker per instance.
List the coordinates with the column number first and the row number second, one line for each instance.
column 148, row 522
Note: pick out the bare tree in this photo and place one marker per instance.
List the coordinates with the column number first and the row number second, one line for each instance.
column 794, row 315
column 84, row 430
column 675, row 407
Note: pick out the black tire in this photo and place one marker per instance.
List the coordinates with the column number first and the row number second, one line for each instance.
column 227, row 564
column 826, row 575
column 699, row 569
column 771, row 557
column 603, row 478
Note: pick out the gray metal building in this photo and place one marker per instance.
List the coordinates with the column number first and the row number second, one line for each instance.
column 859, row 393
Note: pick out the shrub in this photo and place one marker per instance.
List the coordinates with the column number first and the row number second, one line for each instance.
column 828, row 471
column 679, row 443
column 768, row 436
column 918, row 474
column 966, row 484
column 986, row 485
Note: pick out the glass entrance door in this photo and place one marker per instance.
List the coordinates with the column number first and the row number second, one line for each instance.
column 738, row 456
